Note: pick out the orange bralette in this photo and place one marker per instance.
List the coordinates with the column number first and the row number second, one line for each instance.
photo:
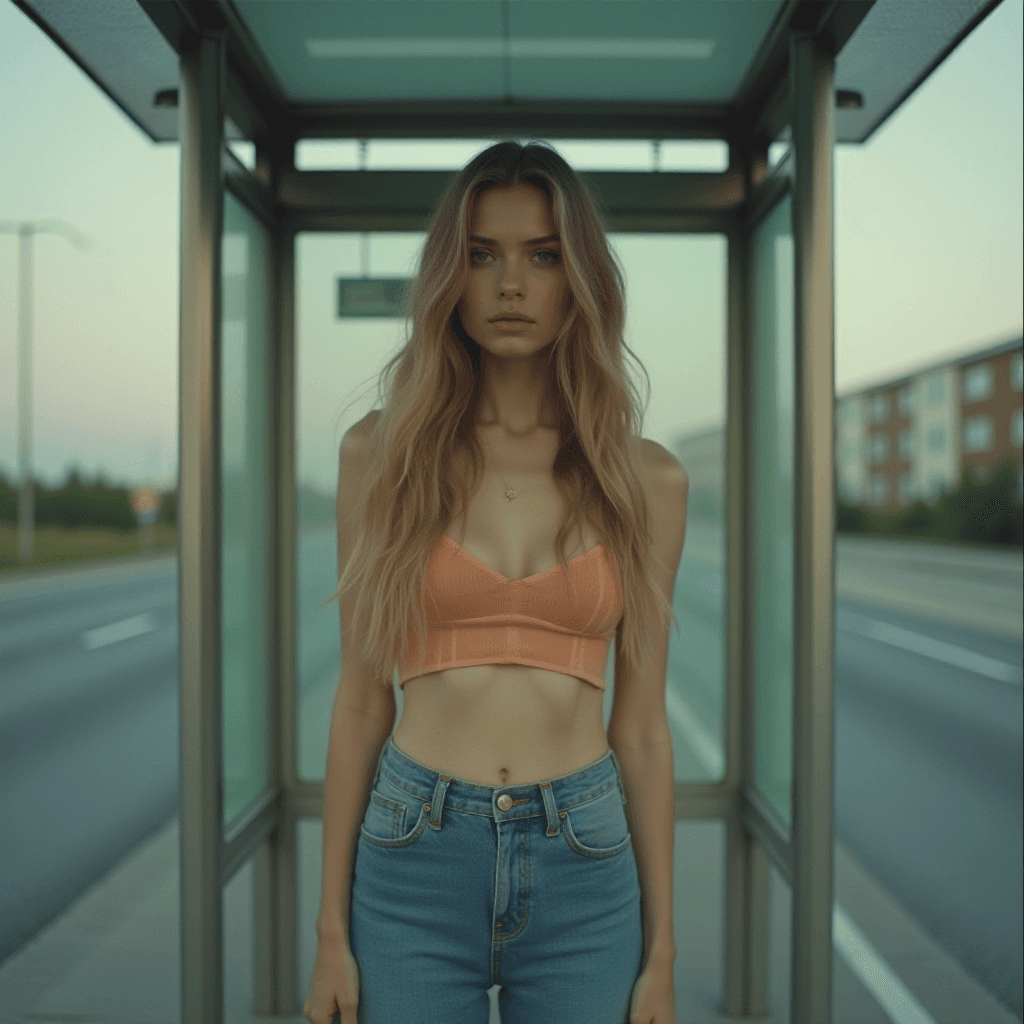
column 475, row 616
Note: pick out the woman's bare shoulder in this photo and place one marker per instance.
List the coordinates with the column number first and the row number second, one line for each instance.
column 363, row 427
column 658, row 463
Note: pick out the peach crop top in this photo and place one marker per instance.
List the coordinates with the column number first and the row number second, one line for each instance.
column 475, row 616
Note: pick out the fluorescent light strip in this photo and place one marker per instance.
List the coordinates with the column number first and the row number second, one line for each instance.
column 488, row 47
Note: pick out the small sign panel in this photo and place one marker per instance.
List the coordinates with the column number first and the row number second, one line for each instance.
column 371, row 296
column 145, row 503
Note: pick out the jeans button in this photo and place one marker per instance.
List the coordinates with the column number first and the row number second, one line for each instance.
column 504, row 801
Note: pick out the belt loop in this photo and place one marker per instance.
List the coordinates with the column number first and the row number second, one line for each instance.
column 618, row 774
column 553, row 813
column 380, row 758
column 437, row 801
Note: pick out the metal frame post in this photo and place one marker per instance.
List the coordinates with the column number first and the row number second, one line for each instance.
column 275, row 943
column 811, row 72
column 745, row 929
column 202, row 75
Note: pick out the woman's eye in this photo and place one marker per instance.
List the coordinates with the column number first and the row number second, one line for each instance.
column 543, row 252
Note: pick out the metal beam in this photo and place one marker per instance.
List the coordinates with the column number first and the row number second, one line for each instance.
column 404, row 200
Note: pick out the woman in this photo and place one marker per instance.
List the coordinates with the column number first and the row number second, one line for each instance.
column 500, row 520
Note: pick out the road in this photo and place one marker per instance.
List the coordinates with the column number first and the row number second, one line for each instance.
column 928, row 735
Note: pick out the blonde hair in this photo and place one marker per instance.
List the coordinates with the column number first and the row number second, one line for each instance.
column 412, row 491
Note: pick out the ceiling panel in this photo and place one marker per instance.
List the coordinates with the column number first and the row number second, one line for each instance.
column 660, row 50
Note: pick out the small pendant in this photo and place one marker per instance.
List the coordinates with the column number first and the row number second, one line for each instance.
column 509, row 493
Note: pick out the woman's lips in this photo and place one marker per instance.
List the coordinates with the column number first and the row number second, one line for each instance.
column 512, row 325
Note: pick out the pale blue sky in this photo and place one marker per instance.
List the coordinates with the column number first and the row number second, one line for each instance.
column 928, row 263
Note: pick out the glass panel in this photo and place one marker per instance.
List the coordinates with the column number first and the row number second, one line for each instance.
column 676, row 325
column 780, row 947
column 237, row 906
column 309, row 839
column 245, row 254
column 243, row 149
column 772, row 496
column 337, row 363
column 670, row 279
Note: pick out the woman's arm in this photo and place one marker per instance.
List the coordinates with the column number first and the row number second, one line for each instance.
column 362, row 718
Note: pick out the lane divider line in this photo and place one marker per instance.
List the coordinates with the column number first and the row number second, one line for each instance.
column 116, row 631
column 893, row 997
column 929, row 647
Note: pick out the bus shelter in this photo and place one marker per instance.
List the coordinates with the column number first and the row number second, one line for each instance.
column 789, row 76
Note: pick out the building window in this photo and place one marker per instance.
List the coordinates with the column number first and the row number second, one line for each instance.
column 936, row 390
column 1017, row 371
column 936, row 439
column 879, row 448
column 879, row 488
column 908, row 443
column 977, row 383
column 879, row 408
column 978, row 434
column 908, row 400
column 1016, row 428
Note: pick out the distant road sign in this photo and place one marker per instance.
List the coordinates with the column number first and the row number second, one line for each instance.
column 371, row 296
column 145, row 503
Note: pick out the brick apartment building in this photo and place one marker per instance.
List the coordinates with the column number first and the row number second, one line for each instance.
column 905, row 438
column 910, row 437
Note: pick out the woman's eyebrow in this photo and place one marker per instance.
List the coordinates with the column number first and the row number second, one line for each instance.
column 530, row 241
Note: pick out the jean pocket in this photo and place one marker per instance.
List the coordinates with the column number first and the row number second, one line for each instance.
column 393, row 817
column 598, row 828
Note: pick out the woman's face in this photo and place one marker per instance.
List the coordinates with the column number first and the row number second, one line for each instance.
column 515, row 263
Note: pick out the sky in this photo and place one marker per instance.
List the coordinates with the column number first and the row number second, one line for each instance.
column 928, row 263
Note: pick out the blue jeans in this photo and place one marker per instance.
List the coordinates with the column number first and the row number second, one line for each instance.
column 457, row 887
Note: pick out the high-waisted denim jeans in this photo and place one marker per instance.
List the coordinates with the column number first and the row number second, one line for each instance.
column 458, row 887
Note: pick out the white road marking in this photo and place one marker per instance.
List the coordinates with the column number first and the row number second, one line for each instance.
column 929, row 647
column 896, row 1000
column 116, row 631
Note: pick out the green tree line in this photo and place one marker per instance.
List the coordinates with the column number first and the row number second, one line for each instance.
column 77, row 502
column 978, row 511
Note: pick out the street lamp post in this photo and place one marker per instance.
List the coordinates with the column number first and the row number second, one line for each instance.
column 26, row 230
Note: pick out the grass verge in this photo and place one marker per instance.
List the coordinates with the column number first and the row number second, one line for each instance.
column 54, row 545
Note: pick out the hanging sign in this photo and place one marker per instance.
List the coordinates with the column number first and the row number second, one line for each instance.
column 371, row 296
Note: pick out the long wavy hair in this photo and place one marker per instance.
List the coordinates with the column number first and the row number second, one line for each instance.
column 429, row 392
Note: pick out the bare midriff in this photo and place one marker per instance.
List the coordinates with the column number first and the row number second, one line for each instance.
column 507, row 725
column 502, row 725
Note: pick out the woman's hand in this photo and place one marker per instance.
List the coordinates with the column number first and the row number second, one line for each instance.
column 334, row 984
column 654, row 998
